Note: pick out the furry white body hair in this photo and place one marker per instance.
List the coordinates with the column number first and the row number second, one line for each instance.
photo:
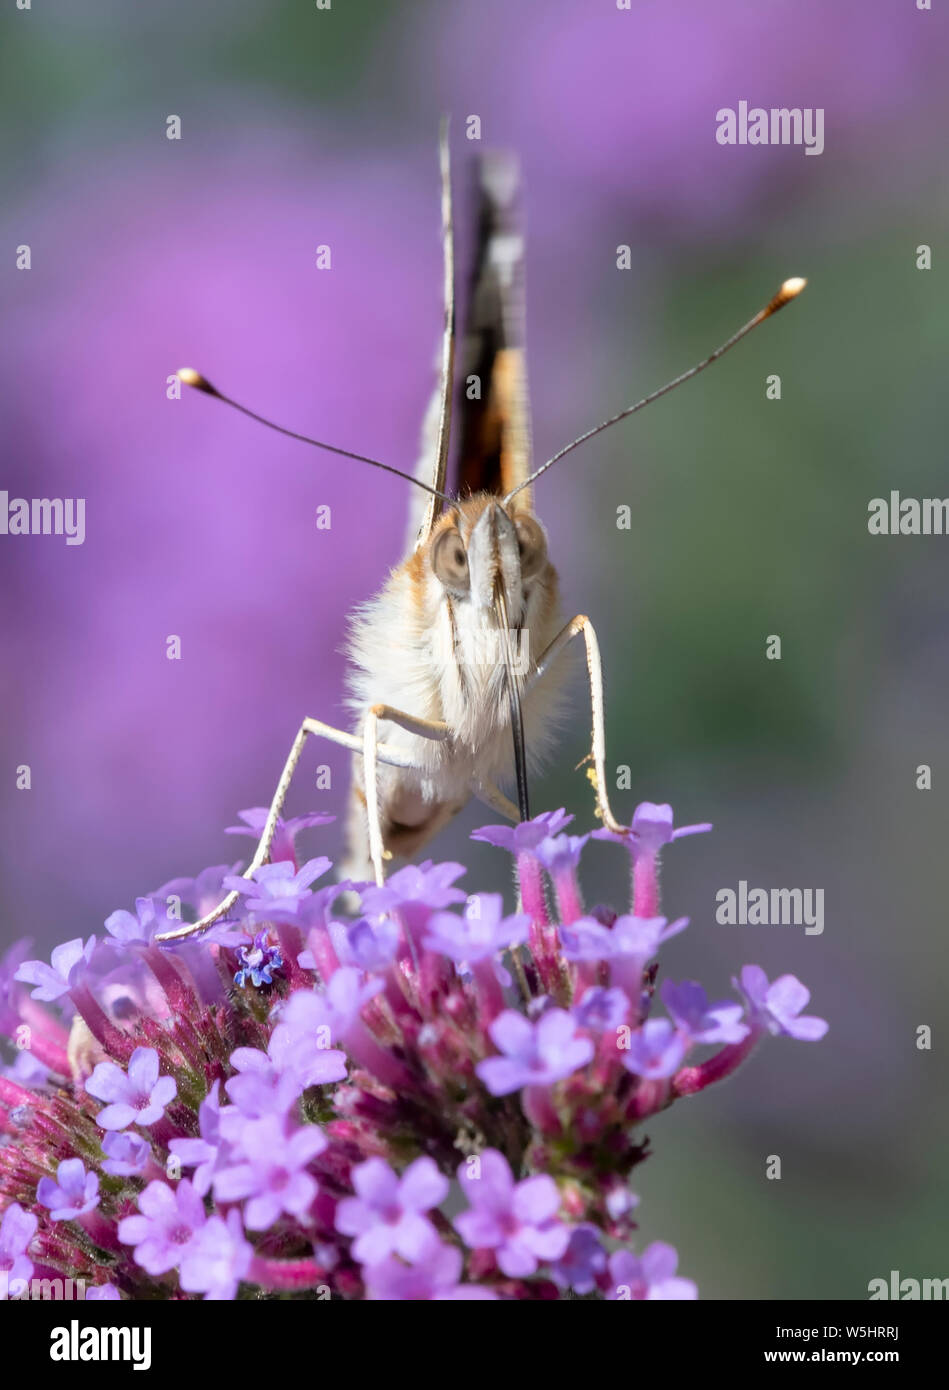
column 410, row 647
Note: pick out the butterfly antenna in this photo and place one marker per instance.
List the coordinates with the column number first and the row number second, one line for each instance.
column 200, row 383
column 788, row 291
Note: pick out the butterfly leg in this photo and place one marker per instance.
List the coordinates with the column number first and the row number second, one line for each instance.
column 395, row 757
column 576, row 626
column 434, row 729
column 492, row 796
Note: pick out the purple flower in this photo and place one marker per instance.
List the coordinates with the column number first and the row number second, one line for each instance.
column 536, row 1054
column 387, row 1214
column 337, row 1009
column 17, row 1229
column 633, row 939
column 619, row 1200
column 103, row 1293
column 651, row 829
column 627, row 945
column 515, row 1220
column 582, row 1261
column 225, row 932
column 434, row 1278
column 123, row 985
column 258, row 961
column 527, row 835
column 72, row 1193
column 699, row 1020
column 481, row 933
column 27, row 1070
column 141, row 927
column 656, row 1050
column 127, row 1153
column 778, row 1006
column 306, row 1057
column 138, row 1098
column 601, row 1010
column 217, row 1259
column 412, row 894
column 204, row 1154
column 68, row 963
column 204, row 892
column 10, row 963
column 269, row 1082
column 648, row 1276
column 256, row 1091
column 272, row 1174
column 274, row 892
column 284, row 841
column 310, row 1021
column 170, row 1217
column 427, row 886
column 152, row 916
column 326, row 943
column 560, row 853
column 369, row 944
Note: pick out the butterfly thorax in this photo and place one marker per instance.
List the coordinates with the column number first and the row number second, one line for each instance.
column 431, row 642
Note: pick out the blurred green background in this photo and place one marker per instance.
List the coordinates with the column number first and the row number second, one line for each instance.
column 304, row 126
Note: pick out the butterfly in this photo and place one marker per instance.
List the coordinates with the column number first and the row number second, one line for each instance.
column 457, row 663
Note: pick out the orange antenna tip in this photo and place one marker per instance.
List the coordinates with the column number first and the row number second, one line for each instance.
column 190, row 377
column 788, row 291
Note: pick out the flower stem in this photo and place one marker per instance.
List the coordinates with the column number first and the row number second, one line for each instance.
column 645, row 884
column 115, row 1042
column 689, row 1080
column 568, row 896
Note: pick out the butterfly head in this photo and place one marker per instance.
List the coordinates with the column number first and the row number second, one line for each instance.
column 480, row 548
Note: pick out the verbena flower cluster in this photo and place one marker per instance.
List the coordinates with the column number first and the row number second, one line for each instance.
column 354, row 1091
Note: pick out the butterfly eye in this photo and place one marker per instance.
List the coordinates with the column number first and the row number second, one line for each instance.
column 450, row 562
column 532, row 545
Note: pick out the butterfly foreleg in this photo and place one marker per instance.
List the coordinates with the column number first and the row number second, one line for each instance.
column 394, row 757
column 577, row 626
column 492, row 796
column 434, row 729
